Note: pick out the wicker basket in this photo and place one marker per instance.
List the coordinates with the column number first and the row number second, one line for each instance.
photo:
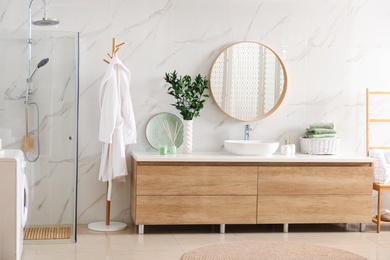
column 320, row 145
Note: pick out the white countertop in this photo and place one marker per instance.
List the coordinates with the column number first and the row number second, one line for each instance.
column 228, row 157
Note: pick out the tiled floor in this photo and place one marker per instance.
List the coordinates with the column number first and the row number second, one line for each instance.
column 170, row 242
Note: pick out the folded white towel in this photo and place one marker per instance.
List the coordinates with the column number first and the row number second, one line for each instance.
column 381, row 166
column 384, row 211
column 387, row 155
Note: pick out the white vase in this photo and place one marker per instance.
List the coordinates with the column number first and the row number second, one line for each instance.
column 187, row 148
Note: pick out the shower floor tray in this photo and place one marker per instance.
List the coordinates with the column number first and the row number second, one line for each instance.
column 47, row 233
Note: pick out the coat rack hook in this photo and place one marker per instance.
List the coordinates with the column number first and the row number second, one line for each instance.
column 114, row 50
column 120, row 44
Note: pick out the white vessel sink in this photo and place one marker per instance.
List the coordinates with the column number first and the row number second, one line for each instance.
column 251, row 147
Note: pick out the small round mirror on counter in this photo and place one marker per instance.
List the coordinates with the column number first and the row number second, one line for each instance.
column 248, row 81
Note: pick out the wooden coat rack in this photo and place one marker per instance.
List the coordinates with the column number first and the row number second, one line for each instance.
column 109, row 225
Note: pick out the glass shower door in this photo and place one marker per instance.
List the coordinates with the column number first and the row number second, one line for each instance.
column 53, row 177
column 52, row 125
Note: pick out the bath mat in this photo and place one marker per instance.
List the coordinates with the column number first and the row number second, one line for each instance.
column 254, row 250
column 46, row 233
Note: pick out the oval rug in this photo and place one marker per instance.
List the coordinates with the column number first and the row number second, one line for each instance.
column 251, row 250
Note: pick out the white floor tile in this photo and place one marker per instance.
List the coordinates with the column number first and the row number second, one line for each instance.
column 171, row 242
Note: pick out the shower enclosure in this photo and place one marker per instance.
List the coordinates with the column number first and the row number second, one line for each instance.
column 52, row 121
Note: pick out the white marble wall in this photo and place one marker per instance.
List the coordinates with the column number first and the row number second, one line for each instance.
column 332, row 51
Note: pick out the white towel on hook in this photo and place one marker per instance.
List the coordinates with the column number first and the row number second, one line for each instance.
column 117, row 123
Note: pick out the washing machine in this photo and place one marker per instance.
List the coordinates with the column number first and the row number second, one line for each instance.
column 13, row 203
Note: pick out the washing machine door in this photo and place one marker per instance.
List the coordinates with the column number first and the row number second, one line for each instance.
column 25, row 201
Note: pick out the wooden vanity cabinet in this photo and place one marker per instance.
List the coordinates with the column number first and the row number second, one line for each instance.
column 335, row 193
column 250, row 192
column 193, row 193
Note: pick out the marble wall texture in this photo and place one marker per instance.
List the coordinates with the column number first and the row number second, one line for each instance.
column 332, row 50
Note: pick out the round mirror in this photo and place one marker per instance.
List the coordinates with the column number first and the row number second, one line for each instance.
column 248, row 81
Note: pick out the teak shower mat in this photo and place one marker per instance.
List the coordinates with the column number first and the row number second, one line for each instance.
column 46, row 233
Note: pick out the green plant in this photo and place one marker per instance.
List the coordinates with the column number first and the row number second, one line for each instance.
column 189, row 94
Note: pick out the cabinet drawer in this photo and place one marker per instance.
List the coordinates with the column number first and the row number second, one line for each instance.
column 195, row 210
column 315, row 180
column 314, row 209
column 199, row 180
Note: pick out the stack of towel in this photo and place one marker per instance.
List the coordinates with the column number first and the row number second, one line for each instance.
column 321, row 130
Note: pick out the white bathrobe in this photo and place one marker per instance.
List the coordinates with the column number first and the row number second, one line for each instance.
column 117, row 123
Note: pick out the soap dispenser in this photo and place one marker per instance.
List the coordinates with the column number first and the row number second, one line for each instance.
column 285, row 149
column 292, row 146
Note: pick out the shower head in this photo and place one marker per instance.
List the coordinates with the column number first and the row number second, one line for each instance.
column 43, row 63
column 40, row 64
column 46, row 21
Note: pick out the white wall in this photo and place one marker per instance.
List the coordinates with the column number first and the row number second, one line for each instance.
column 332, row 51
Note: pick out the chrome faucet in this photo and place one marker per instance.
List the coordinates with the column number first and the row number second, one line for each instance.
column 247, row 131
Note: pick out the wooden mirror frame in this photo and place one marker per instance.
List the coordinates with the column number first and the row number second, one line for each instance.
column 276, row 104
